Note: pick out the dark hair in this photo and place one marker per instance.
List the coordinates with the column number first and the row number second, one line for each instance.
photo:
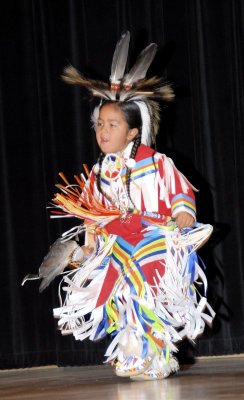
column 133, row 118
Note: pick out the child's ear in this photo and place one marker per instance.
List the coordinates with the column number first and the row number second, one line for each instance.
column 132, row 134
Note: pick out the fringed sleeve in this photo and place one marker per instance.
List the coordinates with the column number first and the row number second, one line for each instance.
column 175, row 190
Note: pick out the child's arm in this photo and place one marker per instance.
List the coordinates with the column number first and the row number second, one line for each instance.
column 183, row 206
column 180, row 194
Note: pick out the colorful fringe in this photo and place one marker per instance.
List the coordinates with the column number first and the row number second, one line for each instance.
column 143, row 320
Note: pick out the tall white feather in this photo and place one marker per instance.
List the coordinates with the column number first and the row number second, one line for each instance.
column 139, row 70
column 120, row 58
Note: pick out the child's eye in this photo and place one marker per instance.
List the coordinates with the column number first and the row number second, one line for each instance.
column 113, row 125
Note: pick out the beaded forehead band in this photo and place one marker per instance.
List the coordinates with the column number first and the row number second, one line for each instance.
column 130, row 87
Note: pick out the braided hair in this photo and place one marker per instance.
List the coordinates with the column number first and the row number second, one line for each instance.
column 100, row 161
column 133, row 119
column 136, row 144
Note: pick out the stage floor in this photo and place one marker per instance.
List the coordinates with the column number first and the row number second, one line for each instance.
column 209, row 378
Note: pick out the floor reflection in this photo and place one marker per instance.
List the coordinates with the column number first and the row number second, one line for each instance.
column 145, row 390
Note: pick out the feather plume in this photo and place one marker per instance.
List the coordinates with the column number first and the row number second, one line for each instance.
column 153, row 82
column 120, row 58
column 59, row 256
column 57, row 259
column 154, row 88
column 139, row 70
column 166, row 92
column 73, row 77
column 154, row 109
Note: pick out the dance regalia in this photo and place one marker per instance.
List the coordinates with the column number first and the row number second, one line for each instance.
column 139, row 284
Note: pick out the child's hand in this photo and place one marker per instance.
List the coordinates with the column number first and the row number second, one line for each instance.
column 88, row 250
column 183, row 220
column 81, row 253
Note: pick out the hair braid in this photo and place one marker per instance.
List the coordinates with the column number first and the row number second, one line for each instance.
column 99, row 186
column 136, row 144
column 100, row 160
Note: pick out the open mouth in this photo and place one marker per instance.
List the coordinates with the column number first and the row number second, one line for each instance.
column 104, row 141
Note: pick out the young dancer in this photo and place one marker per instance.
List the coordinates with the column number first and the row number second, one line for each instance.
column 135, row 276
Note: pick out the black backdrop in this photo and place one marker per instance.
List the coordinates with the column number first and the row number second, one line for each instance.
column 45, row 128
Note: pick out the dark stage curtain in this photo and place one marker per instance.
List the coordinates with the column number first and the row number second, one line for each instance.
column 45, row 128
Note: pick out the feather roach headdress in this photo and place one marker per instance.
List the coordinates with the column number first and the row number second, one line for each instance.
column 133, row 86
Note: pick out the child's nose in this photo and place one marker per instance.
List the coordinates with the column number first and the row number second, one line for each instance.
column 104, row 129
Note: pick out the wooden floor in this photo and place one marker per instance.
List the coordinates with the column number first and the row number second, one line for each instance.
column 209, row 378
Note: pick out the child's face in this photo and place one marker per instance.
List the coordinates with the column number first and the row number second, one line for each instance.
column 112, row 132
